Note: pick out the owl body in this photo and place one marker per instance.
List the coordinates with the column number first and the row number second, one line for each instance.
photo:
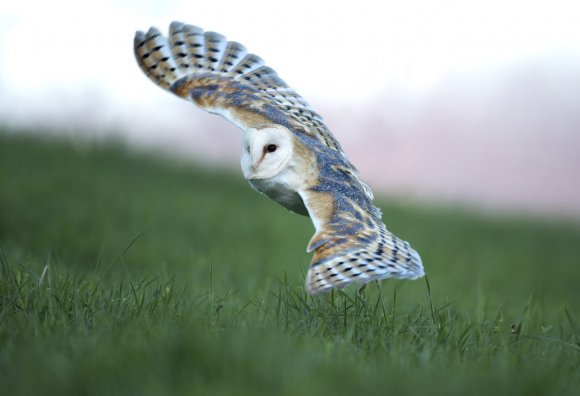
column 287, row 153
column 279, row 189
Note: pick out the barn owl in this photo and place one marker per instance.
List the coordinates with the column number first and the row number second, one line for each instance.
column 287, row 153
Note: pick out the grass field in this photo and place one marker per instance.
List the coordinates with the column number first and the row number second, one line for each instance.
column 125, row 273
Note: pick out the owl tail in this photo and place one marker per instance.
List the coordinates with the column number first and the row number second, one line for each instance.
column 190, row 52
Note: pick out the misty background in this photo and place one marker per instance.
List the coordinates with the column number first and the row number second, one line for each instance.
column 469, row 102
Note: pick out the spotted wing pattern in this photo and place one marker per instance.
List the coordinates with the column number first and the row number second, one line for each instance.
column 351, row 243
column 221, row 77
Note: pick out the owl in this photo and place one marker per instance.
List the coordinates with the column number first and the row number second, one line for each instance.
column 287, row 153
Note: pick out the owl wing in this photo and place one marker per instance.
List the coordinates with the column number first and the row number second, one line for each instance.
column 351, row 243
column 221, row 77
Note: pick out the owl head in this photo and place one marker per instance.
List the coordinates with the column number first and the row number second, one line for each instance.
column 265, row 152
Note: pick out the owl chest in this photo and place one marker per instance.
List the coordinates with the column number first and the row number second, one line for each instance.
column 278, row 189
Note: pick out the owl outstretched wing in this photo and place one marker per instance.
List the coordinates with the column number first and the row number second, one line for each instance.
column 351, row 243
column 221, row 77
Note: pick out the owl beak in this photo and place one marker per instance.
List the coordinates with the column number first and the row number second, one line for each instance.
column 256, row 161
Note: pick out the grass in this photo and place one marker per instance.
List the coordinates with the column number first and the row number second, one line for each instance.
column 125, row 273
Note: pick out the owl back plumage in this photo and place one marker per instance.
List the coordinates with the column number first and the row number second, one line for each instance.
column 351, row 243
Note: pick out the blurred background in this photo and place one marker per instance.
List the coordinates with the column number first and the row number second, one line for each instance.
column 469, row 102
column 157, row 270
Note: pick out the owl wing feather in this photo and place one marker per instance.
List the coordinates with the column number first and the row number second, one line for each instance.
column 221, row 77
column 351, row 243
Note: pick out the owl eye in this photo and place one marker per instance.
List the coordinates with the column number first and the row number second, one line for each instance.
column 271, row 148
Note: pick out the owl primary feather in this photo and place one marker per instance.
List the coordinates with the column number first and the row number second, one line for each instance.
column 288, row 153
